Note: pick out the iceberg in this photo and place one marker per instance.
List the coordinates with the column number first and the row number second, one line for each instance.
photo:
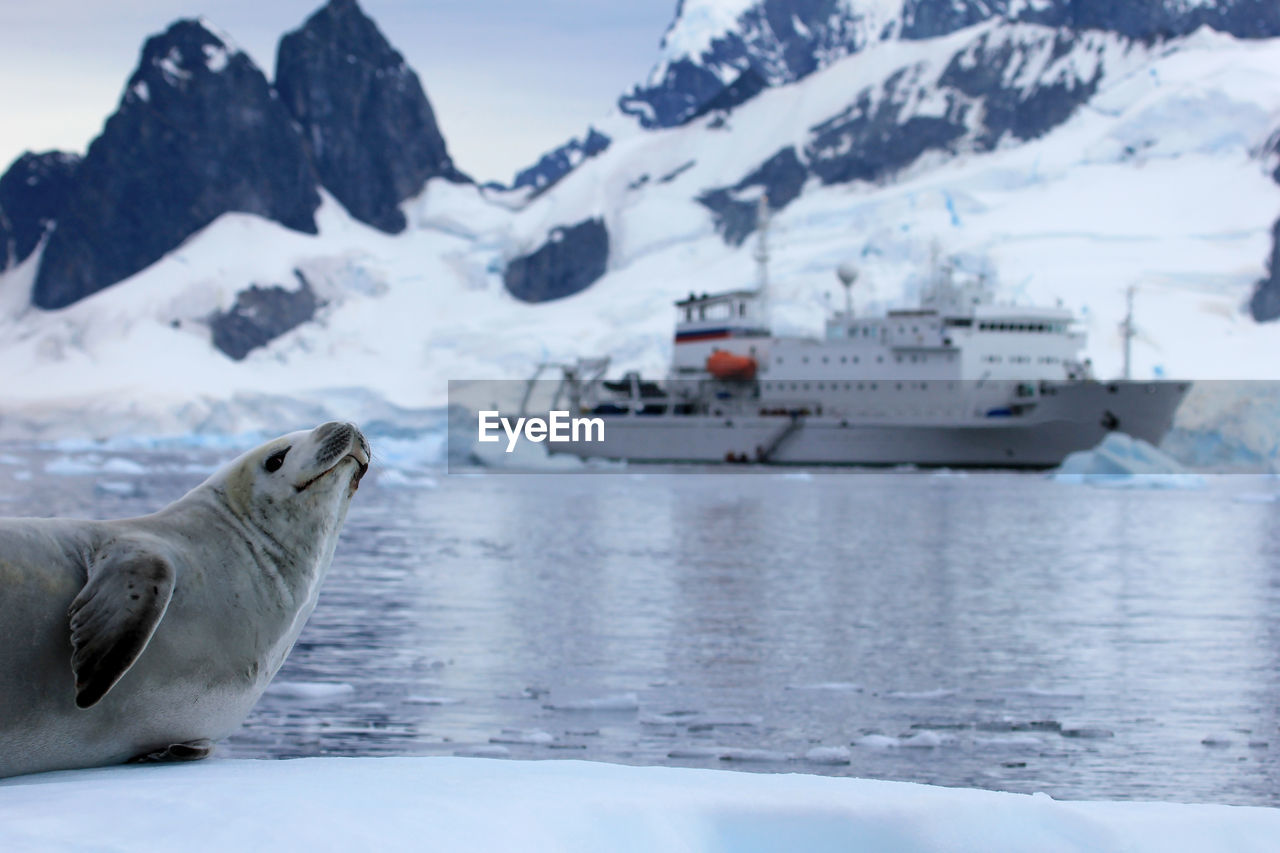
column 479, row 804
column 1121, row 461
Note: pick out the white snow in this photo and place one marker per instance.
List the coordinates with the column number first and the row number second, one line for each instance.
column 449, row 804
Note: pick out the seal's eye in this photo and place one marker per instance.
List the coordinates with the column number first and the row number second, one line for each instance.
column 275, row 460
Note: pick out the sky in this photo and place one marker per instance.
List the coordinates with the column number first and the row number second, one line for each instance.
column 508, row 79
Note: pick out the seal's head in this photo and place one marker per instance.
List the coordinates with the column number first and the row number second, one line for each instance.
column 300, row 483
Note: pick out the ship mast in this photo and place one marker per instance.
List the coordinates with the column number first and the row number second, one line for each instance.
column 1127, row 328
column 762, row 256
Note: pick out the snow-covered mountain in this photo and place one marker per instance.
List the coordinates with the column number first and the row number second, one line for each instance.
column 1075, row 159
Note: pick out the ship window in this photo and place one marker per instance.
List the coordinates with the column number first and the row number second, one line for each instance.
column 742, row 309
column 820, row 388
column 898, row 387
column 915, row 330
column 778, row 360
column 847, row 386
column 855, row 359
column 805, row 359
column 873, row 386
column 688, row 314
column 843, row 359
column 879, row 359
column 824, row 359
column 805, row 386
column 898, row 359
column 859, row 386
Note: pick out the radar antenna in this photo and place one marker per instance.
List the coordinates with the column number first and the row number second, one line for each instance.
column 762, row 244
column 848, row 274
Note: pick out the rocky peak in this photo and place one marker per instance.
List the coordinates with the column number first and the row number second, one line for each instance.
column 198, row 133
column 369, row 127
column 31, row 193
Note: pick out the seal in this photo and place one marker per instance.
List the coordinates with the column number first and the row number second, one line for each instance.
column 149, row 638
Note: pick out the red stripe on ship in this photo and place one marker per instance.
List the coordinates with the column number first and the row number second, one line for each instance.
column 712, row 335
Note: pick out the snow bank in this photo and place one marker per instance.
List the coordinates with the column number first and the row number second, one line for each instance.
column 1121, row 461
column 477, row 805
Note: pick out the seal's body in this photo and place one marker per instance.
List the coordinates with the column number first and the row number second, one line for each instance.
column 151, row 637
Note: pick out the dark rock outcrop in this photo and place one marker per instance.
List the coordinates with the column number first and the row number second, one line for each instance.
column 571, row 260
column 554, row 165
column 371, row 131
column 198, row 133
column 1265, row 303
column 747, row 86
column 32, row 192
column 782, row 41
column 871, row 139
column 6, row 242
column 980, row 72
column 262, row 314
column 781, row 177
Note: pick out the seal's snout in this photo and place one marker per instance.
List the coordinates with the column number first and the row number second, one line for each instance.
column 335, row 442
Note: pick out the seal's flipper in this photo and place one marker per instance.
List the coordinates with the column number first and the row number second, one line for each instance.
column 192, row 750
column 114, row 616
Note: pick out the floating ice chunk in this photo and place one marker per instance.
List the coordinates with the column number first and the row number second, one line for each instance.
column 71, row 466
column 119, row 465
column 432, row 700
column 399, row 479
column 309, row 690
column 93, row 464
column 829, row 755
column 764, row 756
column 117, row 487
column 926, row 740
column 493, row 750
column 1015, row 741
column 878, row 742
column 9, row 459
column 618, row 702
column 1217, row 741
column 1121, row 461
column 535, row 737
column 846, row 686
column 924, row 695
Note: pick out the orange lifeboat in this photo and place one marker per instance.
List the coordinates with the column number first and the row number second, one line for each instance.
column 726, row 365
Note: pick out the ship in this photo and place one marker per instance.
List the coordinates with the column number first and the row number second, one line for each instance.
column 957, row 380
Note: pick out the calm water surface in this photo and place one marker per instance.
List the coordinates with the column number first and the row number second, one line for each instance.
column 993, row 630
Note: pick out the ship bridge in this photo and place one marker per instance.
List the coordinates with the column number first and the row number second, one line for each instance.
column 734, row 321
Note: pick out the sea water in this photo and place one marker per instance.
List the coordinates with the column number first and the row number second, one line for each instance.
column 990, row 630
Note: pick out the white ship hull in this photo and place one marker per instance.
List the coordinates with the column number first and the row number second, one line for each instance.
column 1071, row 416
